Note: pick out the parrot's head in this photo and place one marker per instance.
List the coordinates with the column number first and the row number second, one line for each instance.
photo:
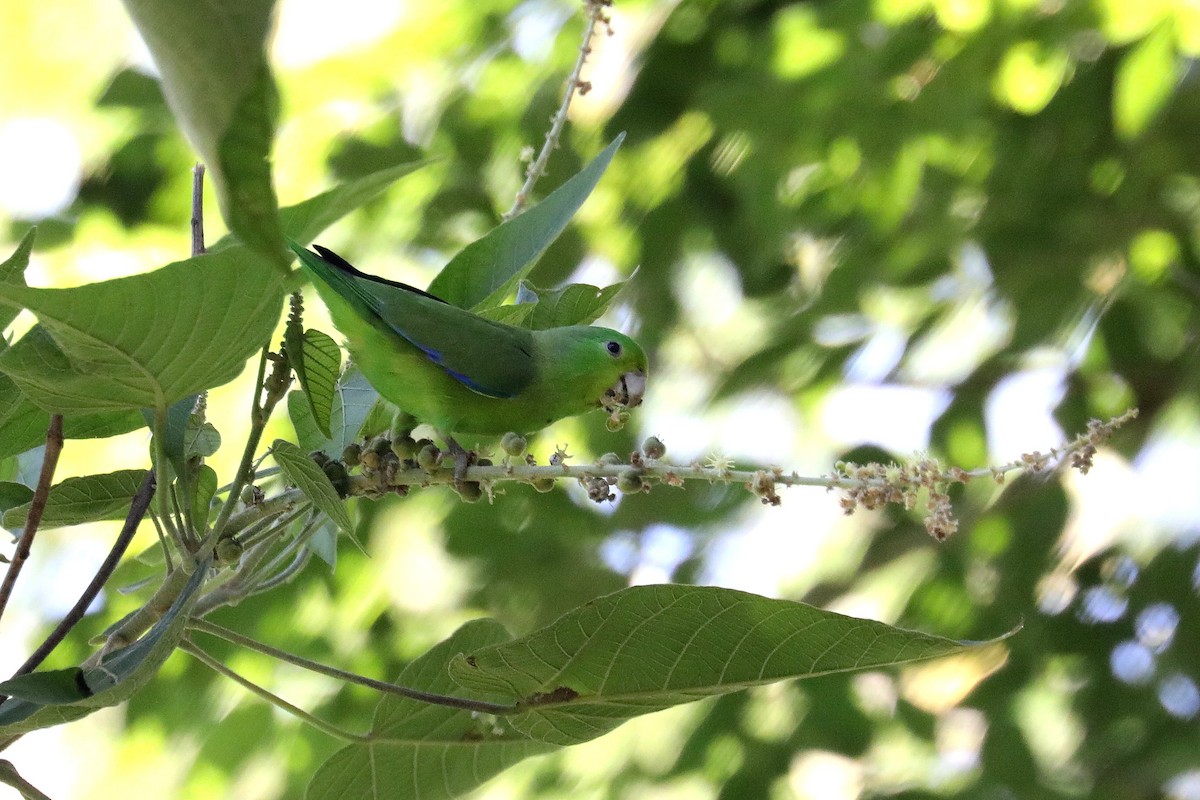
column 606, row 368
column 628, row 360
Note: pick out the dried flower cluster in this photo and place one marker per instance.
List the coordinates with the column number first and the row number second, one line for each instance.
column 875, row 485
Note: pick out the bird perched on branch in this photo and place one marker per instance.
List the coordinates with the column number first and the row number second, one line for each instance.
column 463, row 373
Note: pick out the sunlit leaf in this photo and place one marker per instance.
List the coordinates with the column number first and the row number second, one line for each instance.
column 353, row 399
column 181, row 329
column 487, row 269
column 317, row 366
column 1145, row 80
column 213, row 61
column 84, row 499
column 647, row 648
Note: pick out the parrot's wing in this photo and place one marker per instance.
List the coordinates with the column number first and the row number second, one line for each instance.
column 487, row 357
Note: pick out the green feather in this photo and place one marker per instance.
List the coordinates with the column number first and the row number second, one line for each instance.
column 461, row 372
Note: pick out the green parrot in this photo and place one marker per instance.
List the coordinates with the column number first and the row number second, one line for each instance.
column 465, row 374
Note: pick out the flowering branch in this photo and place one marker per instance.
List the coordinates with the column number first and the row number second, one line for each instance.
column 386, row 466
column 597, row 14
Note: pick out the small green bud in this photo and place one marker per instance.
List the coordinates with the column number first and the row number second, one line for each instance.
column 404, row 446
column 352, row 454
column 608, row 459
column 630, row 481
column 484, row 462
column 513, row 444
column 470, row 491
column 429, row 457
column 653, row 447
column 370, row 459
column 402, row 424
column 543, row 484
column 251, row 495
column 229, row 551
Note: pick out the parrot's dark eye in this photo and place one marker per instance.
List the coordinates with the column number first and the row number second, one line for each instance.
column 614, row 348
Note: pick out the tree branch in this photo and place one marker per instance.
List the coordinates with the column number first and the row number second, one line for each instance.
column 54, row 444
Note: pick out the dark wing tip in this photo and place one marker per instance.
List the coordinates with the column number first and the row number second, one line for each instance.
column 345, row 266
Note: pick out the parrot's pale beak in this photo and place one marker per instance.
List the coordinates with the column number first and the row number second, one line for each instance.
column 627, row 391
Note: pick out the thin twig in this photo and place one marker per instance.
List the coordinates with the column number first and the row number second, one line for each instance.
column 190, row 648
column 596, row 14
column 54, row 444
column 198, row 210
column 137, row 510
column 350, row 677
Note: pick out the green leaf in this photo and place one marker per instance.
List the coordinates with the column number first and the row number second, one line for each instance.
column 488, row 268
column 308, row 218
column 118, row 676
column 575, row 304
column 12, row 272
column 647, row 648
column 353, row 400
column 425, row 751
column 323, row 542
column 317, row 367
column 23, row 424
column 216, row 78
column 181, row 329
column 301, row 470
column 178, row 417
column 201, row 438
column 304, row 221
column 84, row 499
column 205, row 490
column 1145, row 79
column 13, row 495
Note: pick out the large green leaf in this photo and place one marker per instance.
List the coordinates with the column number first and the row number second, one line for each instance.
column 308, row 218
column 423, row 751
column 84, row 499
column 647, row 648
column 216, row 78
column 23, row 424
column 43, row 699
column 144, row 341
column 488, row 268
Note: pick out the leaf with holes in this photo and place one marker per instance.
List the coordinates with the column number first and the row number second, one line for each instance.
column 422, row 751
column 647, row 648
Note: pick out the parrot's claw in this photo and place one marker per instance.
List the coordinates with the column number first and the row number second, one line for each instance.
column 463, row 458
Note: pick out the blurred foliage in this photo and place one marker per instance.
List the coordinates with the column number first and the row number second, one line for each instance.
column 986, row 187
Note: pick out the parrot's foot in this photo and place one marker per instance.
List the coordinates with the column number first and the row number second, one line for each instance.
column 463, row 458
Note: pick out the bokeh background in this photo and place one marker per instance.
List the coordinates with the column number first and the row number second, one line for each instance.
column 857, row 230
